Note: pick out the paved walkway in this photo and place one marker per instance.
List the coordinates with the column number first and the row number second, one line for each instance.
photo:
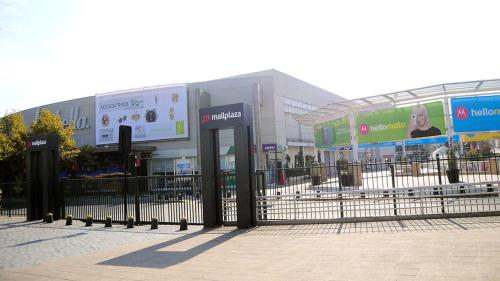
column 442, row 249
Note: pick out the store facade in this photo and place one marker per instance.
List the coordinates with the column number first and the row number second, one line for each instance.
column 165, row 120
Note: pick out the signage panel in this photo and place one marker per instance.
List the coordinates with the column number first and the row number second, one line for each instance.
column 409, row 122
column 42, row 142
column 266, row 147
column 332, row 133
column 153, row 114
column 480, row 136
column 476, row 114
column 225, row 116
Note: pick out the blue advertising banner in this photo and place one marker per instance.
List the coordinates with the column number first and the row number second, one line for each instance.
column 476, row 114
column 437, row 140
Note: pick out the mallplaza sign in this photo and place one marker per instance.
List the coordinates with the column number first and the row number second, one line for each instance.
column 225, row 116
column 220, row 116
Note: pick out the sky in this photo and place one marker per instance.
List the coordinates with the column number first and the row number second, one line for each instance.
column 55, row 50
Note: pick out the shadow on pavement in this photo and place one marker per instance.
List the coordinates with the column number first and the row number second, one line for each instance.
column 422, row 225
column 48, row 239
column 20, row 223
column 155, row 257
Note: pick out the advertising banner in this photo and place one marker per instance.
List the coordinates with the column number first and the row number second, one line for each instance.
column 424, row 120
column 183, row 167
column 332, row 133
column 153, row 114
column 480, row 136
column 476, row 114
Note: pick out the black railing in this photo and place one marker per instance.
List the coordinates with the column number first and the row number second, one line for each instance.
column 362, row 175
column 371, row 190
column 13, row 199
column 228, row 195
column 167, row 198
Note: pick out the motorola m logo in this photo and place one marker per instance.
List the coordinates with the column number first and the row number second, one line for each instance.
column 36, row 143
column 205, row 119
column 461, row 113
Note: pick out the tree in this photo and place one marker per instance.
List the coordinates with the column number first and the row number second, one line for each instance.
column 13, row 136
column 299, row 159
column 49, row 123
column 86, row 159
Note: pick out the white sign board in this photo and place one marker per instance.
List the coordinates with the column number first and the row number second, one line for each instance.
column 153, row 114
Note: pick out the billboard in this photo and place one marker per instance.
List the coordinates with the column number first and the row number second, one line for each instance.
column 423, row 120
column 480, row 136
column 332, row 133
column 153, row 114
column 476, row 114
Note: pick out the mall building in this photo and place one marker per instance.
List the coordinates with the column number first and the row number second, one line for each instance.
column 165, row 125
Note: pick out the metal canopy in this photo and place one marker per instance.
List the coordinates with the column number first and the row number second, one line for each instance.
column 338, row 109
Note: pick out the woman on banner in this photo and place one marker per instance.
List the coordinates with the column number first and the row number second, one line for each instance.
column 420, row 124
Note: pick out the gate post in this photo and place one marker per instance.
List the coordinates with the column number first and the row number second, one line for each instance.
column 42, row 171
column 239, row 117
column 394, row 190
column 245, row 186
column 212, row 211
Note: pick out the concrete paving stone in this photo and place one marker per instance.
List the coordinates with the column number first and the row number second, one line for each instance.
column 257, row 254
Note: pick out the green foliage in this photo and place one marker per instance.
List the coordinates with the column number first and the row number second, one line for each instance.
column 310, row 160
column 452, row 159
column 299, row 159
column 343, row 165
column 13, row 136
column 49, row 123
column 86, row 159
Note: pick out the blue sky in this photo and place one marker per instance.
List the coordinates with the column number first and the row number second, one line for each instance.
column 57, row 50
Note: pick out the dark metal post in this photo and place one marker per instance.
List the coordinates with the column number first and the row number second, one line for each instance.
column 439, row 169
column 440, row 183
column 8, row 195
column 245, row 187
column 125, row 199
column 209, row 147
column 264, row 186
column 394, row 202
column 133, row 183
column 339, row 176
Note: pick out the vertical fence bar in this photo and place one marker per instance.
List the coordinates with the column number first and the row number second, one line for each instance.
column 341, row 203
column 394, row 190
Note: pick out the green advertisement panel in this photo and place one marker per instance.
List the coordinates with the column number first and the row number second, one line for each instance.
column 423, row 120
column 332, row 133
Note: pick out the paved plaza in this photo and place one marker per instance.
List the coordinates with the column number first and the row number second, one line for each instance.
column 439, row 249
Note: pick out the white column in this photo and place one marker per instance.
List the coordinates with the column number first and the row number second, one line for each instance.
column 449, row 127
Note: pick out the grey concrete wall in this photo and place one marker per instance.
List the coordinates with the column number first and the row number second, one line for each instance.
column 85, row 117
column 242, row 88
column 293, row 88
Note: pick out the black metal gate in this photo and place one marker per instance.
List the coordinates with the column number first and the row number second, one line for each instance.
column 167, row 198
column 366, row 191
column 228, row 195
column 13, row 199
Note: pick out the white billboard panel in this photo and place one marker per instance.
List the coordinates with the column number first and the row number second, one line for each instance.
column 153, row 114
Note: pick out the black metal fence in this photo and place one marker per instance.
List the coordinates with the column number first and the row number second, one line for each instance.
column 167, row 198
column 363, row 175
column 228, row 195
column 13, row 199
column 372, row 190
